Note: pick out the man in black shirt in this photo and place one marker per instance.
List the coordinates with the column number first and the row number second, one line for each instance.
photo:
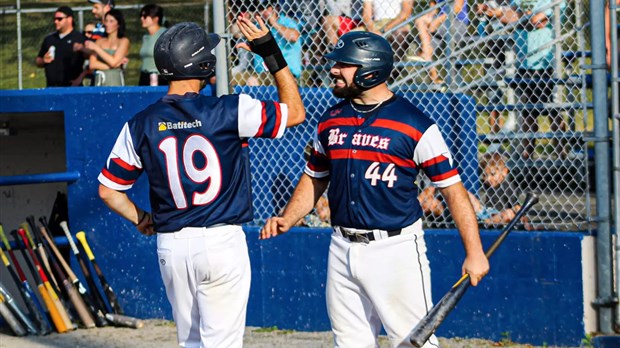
column 57, row 55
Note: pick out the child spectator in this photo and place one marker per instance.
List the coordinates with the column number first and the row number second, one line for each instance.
column 498, row 195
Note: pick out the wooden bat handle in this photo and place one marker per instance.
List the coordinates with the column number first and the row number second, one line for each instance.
column 123, row 320
column 81, row 236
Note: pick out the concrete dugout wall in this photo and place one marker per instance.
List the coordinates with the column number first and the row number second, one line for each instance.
column 538, row 291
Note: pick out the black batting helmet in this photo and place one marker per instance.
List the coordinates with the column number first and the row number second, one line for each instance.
column 184, row 52
column 371, row 52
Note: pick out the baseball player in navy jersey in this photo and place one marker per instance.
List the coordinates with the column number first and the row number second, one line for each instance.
column 193, row 149
column 369, row 148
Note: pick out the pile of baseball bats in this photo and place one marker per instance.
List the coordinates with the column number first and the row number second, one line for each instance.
column 63, row 302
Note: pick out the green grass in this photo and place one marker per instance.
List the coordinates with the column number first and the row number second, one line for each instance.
column 35, row 26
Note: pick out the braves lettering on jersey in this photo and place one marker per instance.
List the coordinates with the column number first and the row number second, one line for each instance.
column 372, row 161
column 196, row 178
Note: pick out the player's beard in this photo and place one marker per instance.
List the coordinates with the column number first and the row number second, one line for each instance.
column 204, row 83
column 346, row 92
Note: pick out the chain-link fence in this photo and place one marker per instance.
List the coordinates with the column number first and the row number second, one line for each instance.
column 37, row 22
column 505, row 83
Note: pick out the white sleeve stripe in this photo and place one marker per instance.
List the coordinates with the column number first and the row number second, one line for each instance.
column 316, row 175
column 283, row 119
column 447, row 182
column 431, row 145
column 111, row 184
column 250, row 116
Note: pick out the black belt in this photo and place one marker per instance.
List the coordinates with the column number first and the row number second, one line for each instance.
column 365, row 237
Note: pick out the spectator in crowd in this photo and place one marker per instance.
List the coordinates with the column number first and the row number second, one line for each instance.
column 86, row 78
column 497, row 205
column 286, row 32
column 338, row 20
column 100, row 8
column 63, row 64
column 608, row 32
column 381, row 16
column 433, row 31
column 243, row 58
column 110, row 53
column 532, row 38
column 496, row 50
column 498, row 195
column 152, row 17
column 89, row 29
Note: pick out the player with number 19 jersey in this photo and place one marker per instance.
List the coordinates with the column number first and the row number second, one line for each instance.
column 196, row 178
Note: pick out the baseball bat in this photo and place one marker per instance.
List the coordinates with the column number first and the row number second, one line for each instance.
column 41, row 254
column 123, row 320
column 35, row 311
column 36, row 308
column 68, row 311
column 99, row 302
column 431, row 321
column 76, row 300
column 19, row 314
column 99, row 316
column 10, row 319
column 116, row 307
column 51, row 299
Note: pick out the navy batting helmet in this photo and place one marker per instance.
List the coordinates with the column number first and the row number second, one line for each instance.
column 371, row 52
column 184, row 52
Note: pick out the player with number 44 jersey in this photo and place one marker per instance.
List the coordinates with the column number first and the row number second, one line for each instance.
column 194, row 151
column 369, row 149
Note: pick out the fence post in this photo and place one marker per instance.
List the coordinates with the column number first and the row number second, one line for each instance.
column 615, row 110
column 601, row 160
column 20, row 82
column 221, row 66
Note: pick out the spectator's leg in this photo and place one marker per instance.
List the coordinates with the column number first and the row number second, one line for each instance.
column 330, row 26
column 424, row 35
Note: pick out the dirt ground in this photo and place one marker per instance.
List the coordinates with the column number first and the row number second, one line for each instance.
column 161, row 334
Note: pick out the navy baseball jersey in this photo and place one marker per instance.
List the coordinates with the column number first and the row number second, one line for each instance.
column 372, row 161
column 194, row 151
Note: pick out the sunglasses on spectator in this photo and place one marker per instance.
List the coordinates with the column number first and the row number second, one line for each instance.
column 59, row 18
column 88, row 32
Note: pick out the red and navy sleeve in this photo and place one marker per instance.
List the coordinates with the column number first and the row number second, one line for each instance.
column 123, row 166
column 434, row 158
column 261, row 119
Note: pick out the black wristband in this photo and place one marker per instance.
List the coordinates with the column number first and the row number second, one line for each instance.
column 267, row 47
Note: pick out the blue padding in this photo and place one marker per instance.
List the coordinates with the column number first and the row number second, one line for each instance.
column 534, row 290
column 39, row 178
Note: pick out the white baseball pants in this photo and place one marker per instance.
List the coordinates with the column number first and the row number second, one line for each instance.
column 206, row 272
column 385, row 282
